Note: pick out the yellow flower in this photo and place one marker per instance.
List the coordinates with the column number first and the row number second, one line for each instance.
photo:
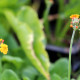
column 4, row 48
column 74, row 16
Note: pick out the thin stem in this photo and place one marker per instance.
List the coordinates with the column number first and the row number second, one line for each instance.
column 46, row 22
column 70, row 51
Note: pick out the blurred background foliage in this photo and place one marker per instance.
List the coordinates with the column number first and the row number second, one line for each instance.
column 23, row 32
column 59, row 32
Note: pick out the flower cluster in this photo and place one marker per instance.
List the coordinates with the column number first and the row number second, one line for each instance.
column 75, row 21
column 3, row 47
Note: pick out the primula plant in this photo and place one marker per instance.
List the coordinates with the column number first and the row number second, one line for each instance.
column 23, row 33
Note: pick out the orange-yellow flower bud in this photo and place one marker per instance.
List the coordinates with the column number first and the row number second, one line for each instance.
column 71, row 25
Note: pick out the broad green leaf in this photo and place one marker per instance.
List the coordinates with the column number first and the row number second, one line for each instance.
column 55, row 77
column 41, row 78
column 3, row 32
column 9, row 75
column 25, row 36
column 61, row 68
column 9, row 66
column 22, row 2
column 78, row 78
column 14, row 60
column 4, row 22
column 26, row 16
column 51, row 67
column 12, row 43
column 30, row 72
column 65, row 79
column 41, row 54
column 7, row 3
column 21, row 54
column 26, row 78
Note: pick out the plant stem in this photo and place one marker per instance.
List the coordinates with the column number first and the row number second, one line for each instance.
column 70, row 51
column 46, row 22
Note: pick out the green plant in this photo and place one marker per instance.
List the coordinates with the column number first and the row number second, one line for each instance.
column 75, row 26
column 29, row 33
column 27, row 58
column 45, row 19
column 62, row 23
column 64, row 14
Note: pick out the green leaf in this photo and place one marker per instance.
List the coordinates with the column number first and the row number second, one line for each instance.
column 30, row 72
column 26, row 78
column 78, row 78
column 3, row 32
column 25, row 36
column 7, row 3
column 12, row 43
column 41, row 54
column 55, row 77
column 65, row 79
column 41, row 78
column 51, row 68
column 22, row 2
column 61, row 68
column 25, row 15
column 4, row 22
column 9, row 66
column 14, row 60
column 9, row 75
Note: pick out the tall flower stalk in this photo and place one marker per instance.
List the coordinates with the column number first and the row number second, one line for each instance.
column 75, row 26
column 45, row 18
